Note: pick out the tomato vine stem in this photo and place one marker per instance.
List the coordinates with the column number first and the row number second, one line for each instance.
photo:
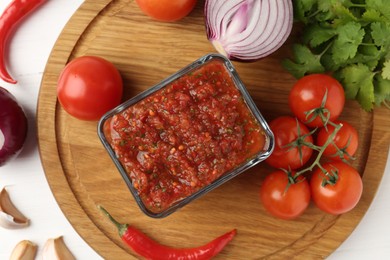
column 321, row 112
column 320, row 149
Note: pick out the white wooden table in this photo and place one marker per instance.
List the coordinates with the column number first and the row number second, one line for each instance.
column 25, row 179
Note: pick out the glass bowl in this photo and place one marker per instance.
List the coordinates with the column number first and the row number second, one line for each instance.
column 185, row 136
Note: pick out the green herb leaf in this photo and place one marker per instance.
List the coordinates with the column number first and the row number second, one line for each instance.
column 302, row 9
column 336, row 10
column 349, row 38
column 358, row 84
column 382, row 90
column 381, row 6
column 316, row 35
column 386, row 70
column 326, row 5
column 343, row 15
column 368, row 55
column 372, row 15
column 380, row 33
column 305, row 62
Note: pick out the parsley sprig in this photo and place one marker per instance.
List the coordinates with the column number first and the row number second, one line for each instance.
column 351, row 39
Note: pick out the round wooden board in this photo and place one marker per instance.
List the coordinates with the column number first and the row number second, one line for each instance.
column 82, row 176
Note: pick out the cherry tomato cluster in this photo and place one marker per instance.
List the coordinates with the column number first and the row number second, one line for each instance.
column 312, row 153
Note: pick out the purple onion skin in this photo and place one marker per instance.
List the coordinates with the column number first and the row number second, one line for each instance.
column 13, row 126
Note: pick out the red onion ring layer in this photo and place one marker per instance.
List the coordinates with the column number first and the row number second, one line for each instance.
column 248, row 30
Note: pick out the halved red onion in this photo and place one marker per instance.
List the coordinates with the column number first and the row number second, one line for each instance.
column 248, row 30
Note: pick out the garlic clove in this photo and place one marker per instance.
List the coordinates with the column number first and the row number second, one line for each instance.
column 56, row 249
column 24, row 250
column 10, row 216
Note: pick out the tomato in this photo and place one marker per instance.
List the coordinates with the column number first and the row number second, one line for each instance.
column 346, row 141
column 284, row 200
column 166, row 10
column 342, row 194
column 286, row 130
column 88, row 87
column 307, row 95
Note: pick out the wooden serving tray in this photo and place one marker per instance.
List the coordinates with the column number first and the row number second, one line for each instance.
column 82, row 176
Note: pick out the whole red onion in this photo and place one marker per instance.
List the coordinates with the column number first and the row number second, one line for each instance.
column 13, row 127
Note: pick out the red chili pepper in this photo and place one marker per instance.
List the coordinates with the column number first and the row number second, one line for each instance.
column 11, row 16
column 150, row 249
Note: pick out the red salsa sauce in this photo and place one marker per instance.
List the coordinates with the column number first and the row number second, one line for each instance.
column 184, row 136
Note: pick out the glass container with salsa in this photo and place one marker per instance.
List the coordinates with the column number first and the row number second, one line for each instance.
column 186, row 135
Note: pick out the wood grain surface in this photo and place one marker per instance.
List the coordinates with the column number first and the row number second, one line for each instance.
column 82, row 176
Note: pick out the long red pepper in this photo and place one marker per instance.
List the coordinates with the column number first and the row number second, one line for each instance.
column 11, row 16
column 150, row 249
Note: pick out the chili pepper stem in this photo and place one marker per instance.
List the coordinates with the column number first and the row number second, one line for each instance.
column 121, row 227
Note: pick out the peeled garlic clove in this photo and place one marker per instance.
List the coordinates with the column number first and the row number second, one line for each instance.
column 24, row 250
column 56, row 249
column 10, row 216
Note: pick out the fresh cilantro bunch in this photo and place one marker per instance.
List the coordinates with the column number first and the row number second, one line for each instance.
column 351, row 39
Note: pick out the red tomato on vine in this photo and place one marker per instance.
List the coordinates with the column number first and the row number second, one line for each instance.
column 317, row 98
column 289, row 151
column 283, row 196
column 345, row 142
column 337, row 192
